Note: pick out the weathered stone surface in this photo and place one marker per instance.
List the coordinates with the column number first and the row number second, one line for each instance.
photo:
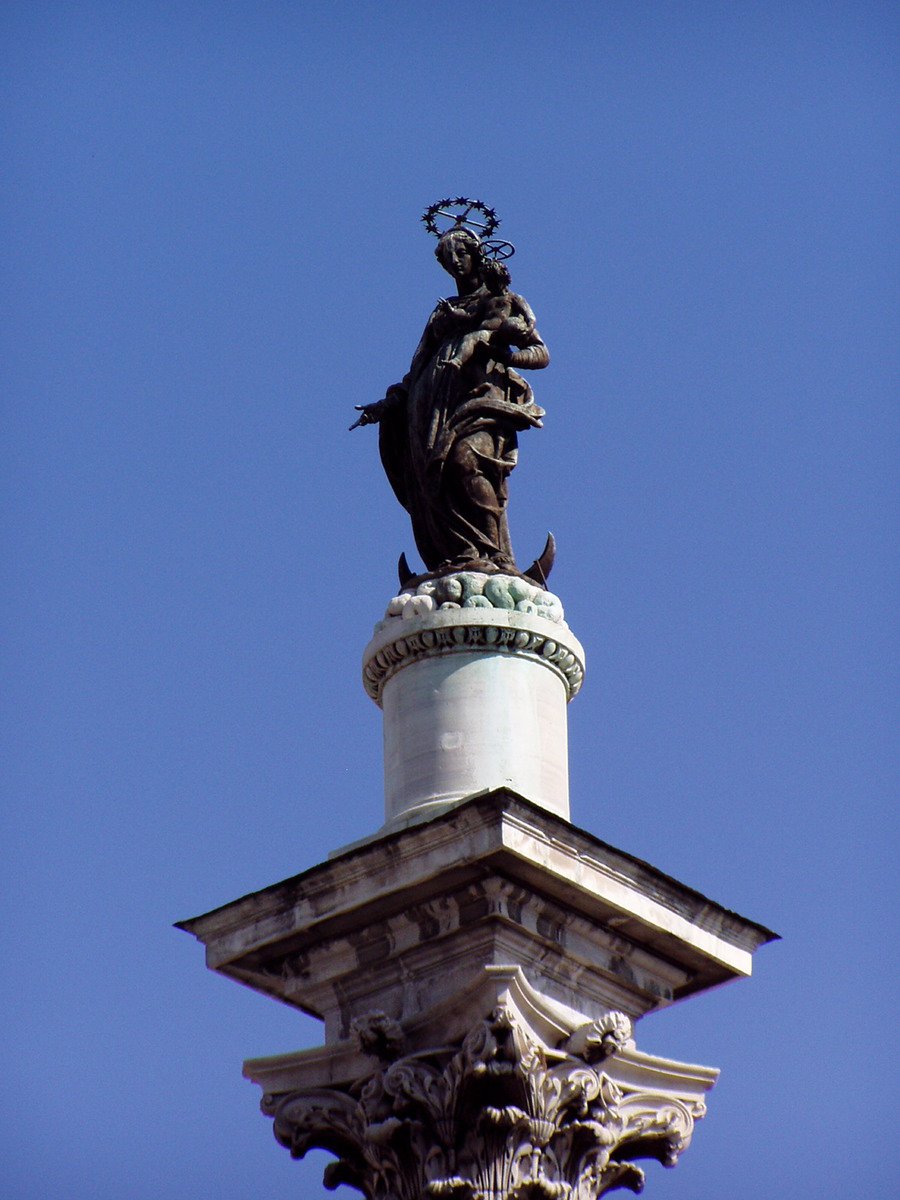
column 398, row 922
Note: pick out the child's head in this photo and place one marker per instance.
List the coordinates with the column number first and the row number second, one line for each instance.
column 495, row 276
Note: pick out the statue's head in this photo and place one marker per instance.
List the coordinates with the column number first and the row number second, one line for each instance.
column 459, row 252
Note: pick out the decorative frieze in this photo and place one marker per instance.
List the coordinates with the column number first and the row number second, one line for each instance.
column 404, row 962
column 434, row 633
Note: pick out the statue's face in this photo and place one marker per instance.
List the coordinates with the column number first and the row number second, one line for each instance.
column 458, row 257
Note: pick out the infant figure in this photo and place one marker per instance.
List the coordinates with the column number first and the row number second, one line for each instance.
column 495, row 322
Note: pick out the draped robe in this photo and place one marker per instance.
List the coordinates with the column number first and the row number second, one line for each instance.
column 448, row 441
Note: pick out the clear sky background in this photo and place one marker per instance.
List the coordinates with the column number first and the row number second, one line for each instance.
column 211, row 252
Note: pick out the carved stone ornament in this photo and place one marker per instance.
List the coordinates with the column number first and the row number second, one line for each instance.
column 475, row 589
column 433, row 634
column 499, row 1117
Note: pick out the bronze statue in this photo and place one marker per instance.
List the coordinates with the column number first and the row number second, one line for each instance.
column 448, row 432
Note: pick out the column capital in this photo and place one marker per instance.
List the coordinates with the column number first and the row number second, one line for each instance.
column 501, row 1115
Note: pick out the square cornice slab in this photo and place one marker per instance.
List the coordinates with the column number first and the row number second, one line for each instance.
column 495, row 879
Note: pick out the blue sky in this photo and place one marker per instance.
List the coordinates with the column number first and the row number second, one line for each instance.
column 212, row 252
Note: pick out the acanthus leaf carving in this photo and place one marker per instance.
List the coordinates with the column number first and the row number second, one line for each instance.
column 597, row 1040
column 499, row 1117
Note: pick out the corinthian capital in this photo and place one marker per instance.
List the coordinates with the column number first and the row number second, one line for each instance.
column 499, row 1116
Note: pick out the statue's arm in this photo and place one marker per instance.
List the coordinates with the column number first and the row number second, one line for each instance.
column 530, row 358
column 371, row 414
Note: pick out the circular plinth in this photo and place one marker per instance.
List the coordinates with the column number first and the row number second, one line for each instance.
column 473, row 699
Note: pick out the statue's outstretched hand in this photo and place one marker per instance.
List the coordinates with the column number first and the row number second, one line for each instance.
column 369, row 414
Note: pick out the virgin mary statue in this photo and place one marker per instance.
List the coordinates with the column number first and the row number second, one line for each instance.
column 448, row 432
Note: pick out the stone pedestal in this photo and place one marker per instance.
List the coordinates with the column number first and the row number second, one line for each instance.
column 474, row 695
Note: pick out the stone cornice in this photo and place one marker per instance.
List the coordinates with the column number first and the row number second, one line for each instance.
column 497, row 833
